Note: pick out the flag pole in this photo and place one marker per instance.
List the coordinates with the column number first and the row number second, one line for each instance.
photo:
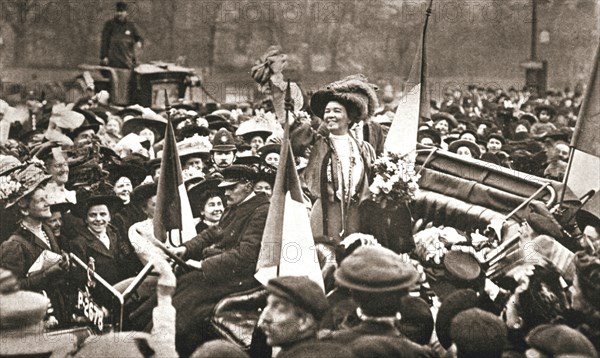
column 424, row 110
column 566, row 177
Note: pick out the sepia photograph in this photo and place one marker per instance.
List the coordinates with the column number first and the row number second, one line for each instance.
column 300, row 178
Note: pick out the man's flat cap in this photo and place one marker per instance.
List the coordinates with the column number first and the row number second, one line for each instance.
column 301, row 291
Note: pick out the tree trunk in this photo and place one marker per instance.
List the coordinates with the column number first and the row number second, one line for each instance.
column 20, row 49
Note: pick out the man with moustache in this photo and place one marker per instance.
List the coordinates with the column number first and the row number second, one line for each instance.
column 223, row 152
column 228, row 253
column 295, row 307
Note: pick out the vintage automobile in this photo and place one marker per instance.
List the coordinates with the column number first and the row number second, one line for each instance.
column 145, row 85
column 455, row 191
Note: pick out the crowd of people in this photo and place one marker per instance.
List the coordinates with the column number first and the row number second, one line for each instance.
column 82, row 179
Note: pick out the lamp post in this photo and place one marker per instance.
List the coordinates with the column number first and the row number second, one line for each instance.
column 536, row 72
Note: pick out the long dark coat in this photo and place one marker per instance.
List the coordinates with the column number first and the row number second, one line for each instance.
column 20, row 251
column 326, row 215
column 108, row 262
column 229, row 254
column 18, row 254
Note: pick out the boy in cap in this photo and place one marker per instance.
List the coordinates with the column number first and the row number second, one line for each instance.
column 120, row 37
column 295, row 306
column 378, row 279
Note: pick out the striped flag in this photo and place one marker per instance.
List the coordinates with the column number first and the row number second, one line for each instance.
column 173, row 213
column 414, row 104
column 287, row 247
column 584, row 165
column 585, row 137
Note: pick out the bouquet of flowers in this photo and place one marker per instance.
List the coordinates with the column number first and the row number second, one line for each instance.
column 10, row 187
column 395, row 180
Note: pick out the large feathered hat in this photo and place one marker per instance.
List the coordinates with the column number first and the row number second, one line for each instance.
column 351, row 91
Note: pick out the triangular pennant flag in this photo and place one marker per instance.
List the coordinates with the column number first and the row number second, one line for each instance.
column 287, row 247
column 173, row 213
column 414, row 104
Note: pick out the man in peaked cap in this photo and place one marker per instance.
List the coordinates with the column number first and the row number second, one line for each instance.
column 119, row 38
column 378, row 279
column 223, row 150
column 294, row 309
column 228, row 253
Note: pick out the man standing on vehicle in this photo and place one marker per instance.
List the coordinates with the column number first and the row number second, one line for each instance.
column 120, row 39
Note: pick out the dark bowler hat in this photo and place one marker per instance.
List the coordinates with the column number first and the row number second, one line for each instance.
column 302, row 292
column 375, row 269
column 246, row 159
column 223, row 141
column 235, row 174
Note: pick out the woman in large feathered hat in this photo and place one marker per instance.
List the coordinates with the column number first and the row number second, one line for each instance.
column 337, row 171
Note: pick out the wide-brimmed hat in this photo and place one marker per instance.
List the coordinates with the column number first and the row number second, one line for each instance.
column 352, row 91
column 452, row 122
column 8, row 164
column 496, row 136
column 64, row 117
column 253, row 127
column 135, row 173
column 375, row 269
column 22, row 181
column 268, row 149
column 429, row 133
column 143, row 193
column 192, row 130
column 22, row 326
column 529, row 117
column 112, row 202
column 220, row 118
column 199, row 193
column 61, row 207
column 223, row 141
column 195, row 146
column 473, row 147
column 236, row 173
column 247, row 158
column 136, row 124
